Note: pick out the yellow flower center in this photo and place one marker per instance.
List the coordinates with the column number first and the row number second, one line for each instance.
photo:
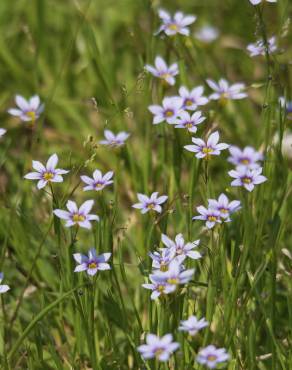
column 212, row 218
column 160, row 288
column 78, row 218
column 211, row 358
column 48, row 176
column 179, row 251
column 244, row 161
column 92, row 265
column 169, row 113
column 165, row 75
column 173, row 27
column 246, row 180
column 173, row 281
column 31, row 114
column 163, row 267
column 189, row 125
column 224, row 210
column 207, row 150
column 98, row 184
column 151, row 206
column 188, row 102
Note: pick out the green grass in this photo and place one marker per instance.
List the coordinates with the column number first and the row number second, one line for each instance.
column 85, row 59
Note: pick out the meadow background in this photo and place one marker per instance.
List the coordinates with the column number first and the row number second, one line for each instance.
column 86, row 61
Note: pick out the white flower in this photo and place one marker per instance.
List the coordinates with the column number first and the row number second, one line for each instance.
column 207, row 34
column 260, row 48
column 98, row 182
column 151, row 203
column 180, row 248
column 224, row 91
column 210, row 215
column 114, row 140
column 169, row 111
column 161, row 70
column 160, row 348
column 192, row 325
column 3, row 288
column 92, row 263
column 246, row 177
column 75, row 216
column 256, row 2
column 159, row 287
column 189, row 122
column 48, row 173
column 192, row 98
column 176, row 24
column 2, row 131
column 207, row 149
column 28, row 110
column 211, row 356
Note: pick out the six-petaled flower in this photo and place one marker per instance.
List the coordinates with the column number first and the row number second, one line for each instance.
column 152, row 203
column 92, row 263
column 211, row 356
column 188, row 121
column 162, row 71
column 207, row 149
column 192, row 98
column 171, row 25
column 169, row 111
column 46, row 174
column 77, row 216
column 160, row 348
column 223, row 91
column 27, row 110
column 192, row 325
column 98, row 182
column 114, row 140
column 247, row 178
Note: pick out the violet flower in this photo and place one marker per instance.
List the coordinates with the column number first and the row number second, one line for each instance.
column 192, row 98
column 210, row 215
column 189, row 122
column 92, row 263
column 210, row 356
column 224, row 91
column 114, row 140
column 48, row 173
column 152, row 203
column 247, row 178
column 77, row 216
column 159, row 348
column 162, row 71
column 98, row 182
column 3, row 287
column 169, row 111
column 27, row 110
column 207, row 149
column 176, row 24
column 192, row 325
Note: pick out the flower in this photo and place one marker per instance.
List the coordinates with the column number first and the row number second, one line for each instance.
column 207, row 149
column 75, row 216
column 98, row 182
column 224, row 91
column 192, row 325
column 92, row 263
column 248, row 157
column 160, row 348
column 3, row 288
column 161, row 70
column 176, row 24
column 151, row 203
column 48, row 173
column 210, row 215
column 261, row 48
column 2, row 131
column 207, row 34
column 28, row 110
column 175, row 275
column 287, row 106
column 247, row 178
column 188, row 121
column 158, row 287
column 256, row 2
column 192, row 98
column 181, row 248
column 160, row 261
column 114, row 140
column 211, row 356
column 169, row 111
column 223, row 205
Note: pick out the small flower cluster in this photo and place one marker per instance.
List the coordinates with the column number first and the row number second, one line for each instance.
column 248, row 171
column 168, row 271
column 218, row 211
